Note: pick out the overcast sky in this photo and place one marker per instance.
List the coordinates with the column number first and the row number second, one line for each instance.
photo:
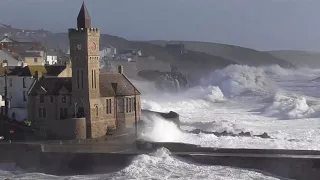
column 259, row 24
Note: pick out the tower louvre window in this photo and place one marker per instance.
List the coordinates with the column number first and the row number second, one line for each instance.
column 82, row 79
column 95, row 80
column 78, row 80
column 92, row 78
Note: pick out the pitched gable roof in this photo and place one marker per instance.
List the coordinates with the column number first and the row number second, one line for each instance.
column 4, row 55
column 51, row 85
column 117, row 83
column 111, row 84
column 30, row 54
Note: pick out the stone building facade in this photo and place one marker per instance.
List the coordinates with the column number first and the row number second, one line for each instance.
column 88, row 104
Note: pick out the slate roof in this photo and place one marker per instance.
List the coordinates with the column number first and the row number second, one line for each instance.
column 52, row 85
column 116, row 84
column 111, row 84
column 30, row 54
column 31, row 70
column 83, row 20
column 4, row 55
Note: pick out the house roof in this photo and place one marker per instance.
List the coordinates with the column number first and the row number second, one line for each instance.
column 37, row 47
column 4, row 55
column 111, row 84
column 52, row 86
column 6, row 40
column 30, row 54
column 31, row 70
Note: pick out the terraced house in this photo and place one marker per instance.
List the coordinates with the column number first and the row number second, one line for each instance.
column 88, row 104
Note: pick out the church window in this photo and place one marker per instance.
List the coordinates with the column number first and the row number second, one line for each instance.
column 63, row 113
column 95, row 80
column 92, row 78
column 108, row 106
column 44, row 112
column 78, row 80
column 121, row 105
column 82, row 79
column 130, row 105
column 97, row 110
column 40, row 112
column 41, row 98
column 64, row 99
column 127, row 105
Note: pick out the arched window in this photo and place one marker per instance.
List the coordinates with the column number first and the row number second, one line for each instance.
column 97, row 110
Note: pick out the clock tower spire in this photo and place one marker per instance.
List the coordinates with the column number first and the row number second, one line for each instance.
column 84, row 54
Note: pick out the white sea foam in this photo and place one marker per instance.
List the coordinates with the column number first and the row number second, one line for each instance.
column 294, row 107
column 238, row 79
column 158, row 165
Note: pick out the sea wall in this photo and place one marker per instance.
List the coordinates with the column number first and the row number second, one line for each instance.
column 283, row 163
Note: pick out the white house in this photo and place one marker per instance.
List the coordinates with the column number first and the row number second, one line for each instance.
column 108, row 52
column 52, row 58
column 20, row 79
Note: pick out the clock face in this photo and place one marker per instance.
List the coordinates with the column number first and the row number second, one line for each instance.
column 79, row 47
column 93, row 46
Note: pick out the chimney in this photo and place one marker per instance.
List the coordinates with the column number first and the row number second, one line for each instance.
column 68, row 64
column 120, row 69
column 4, row 63
column 37, row 75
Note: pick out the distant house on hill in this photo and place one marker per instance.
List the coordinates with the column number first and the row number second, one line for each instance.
column 19, row 81
column 180, row 48
column 108, row 52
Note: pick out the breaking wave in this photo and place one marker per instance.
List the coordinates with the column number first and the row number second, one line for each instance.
column 161, row 165
column 157, row 165
column 236, row 80
column 291, row 107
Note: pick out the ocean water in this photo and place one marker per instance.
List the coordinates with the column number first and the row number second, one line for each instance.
column 281, row 102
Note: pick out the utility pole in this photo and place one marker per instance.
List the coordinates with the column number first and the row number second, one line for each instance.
column 6, row 92
column 135, row 113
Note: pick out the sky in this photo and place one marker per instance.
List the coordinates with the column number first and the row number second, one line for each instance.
column 258, row 24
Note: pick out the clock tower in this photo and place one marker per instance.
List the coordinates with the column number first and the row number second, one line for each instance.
column 84, row 54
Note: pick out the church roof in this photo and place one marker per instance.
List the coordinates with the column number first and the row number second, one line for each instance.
column 111, row 84
column 52, row 85
column 83, row 20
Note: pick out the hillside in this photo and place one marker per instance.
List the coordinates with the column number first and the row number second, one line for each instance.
column 192, row 61
column 237, row 54
column 299, row 58
column 200, row 57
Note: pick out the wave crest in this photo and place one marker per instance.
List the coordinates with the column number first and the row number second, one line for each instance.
column 236, row 80
column 291, row 107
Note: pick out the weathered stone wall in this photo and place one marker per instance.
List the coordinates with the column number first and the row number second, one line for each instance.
column 73, row 128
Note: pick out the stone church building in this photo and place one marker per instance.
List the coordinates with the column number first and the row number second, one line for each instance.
column 88, row 104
